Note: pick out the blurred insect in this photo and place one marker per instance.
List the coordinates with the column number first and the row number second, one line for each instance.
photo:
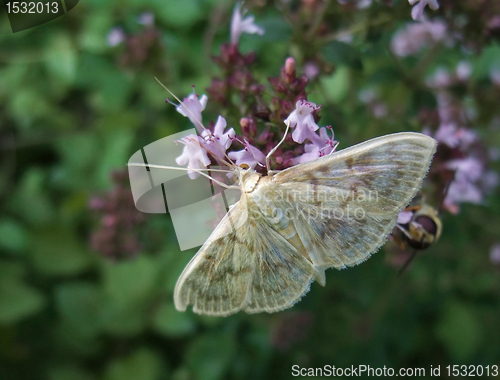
column 424, row 228
column 421, row 229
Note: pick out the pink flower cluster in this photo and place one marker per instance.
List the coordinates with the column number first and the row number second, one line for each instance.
column 419, row 5
column 414, row 37
column 217, row 141
column 461, row 160
column 117, row 235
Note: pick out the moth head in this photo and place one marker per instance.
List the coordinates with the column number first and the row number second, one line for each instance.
column 247, row 177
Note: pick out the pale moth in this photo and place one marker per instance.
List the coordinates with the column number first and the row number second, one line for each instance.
column 289, row 226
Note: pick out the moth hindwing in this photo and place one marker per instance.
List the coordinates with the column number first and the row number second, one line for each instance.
column 288, row 228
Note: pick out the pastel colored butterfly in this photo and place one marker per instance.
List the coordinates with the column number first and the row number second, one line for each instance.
column 289, row 226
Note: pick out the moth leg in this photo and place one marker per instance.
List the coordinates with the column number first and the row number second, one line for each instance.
column 406, row 233
column 320, row 276
column 407, row 263
column 399, row 242
column 413, row 208
column 275, row 148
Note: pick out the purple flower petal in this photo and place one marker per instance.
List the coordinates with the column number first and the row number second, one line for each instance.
column 250, row 155
column 404, row 217
column 193, row 154
column 303, row 121
column 218, row 141
column 191, row 108
column 241, row 25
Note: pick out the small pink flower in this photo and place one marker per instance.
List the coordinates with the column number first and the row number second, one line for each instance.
column 464, row 70
column 404, row 217
column 462, row 190
column 490, row 180
column 495, row 254
column 311, row 153
column 418, row 9
column 439, row 79
column 290, row 66
column 360, row 4
column 449, row 134
column 464, row 187
column 218, row 141
column 250, row 155
column 415, row 36
column 115, row 36
column 321, row 146
column 241, row 25
column 495, row 76
column 191, row 108
column 311, row 70
column 303, row 121
column 193, row 154
column 146, row 19
column 470, row 167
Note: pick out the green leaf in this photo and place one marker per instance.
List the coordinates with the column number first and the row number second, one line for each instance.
column 129, row 282
column 30, row 200
column 116, row 154
column 62, row 58
column 342, row 54
column 78, row 162
column 276, row 29
column 94, row 31
column 460, row 331
column 336, row 85
column 69, row 337
column 129, row 287
column 80, row 305
column 65, row 372
column 209, row 355
column 77, row 151
column 171, row 323
column 125, row 320
column 55, row 250
column 110, row 85
column 24, row 99
column 144, row 364
column 13, row 236
column 385, row 76
column 12, row 77
column 17, row 300
column 488, row 60
column 178, row 13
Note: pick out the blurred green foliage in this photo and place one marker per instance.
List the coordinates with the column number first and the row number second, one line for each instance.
column 71, row 112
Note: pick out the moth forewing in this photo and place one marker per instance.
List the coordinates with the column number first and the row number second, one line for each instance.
column 357, row 193
column 298, row 222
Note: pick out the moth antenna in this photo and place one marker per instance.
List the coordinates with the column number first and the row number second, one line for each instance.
column 138, row 164
column 213, row 155
column 408, row 262
column 335, row 147
column 268, row 157
column 199, row 171
column 230, row 163
column 182, row 103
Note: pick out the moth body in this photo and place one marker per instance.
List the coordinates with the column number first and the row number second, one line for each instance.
column 262, row 201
